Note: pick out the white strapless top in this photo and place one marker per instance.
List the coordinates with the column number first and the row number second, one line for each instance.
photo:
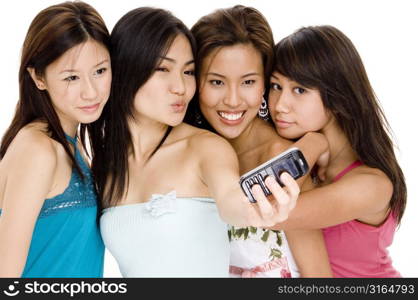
column 167, row 237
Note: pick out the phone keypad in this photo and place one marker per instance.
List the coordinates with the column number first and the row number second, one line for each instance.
column 259, row 179
column 291, row 162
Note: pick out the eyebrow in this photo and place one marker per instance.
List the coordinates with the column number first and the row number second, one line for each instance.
column 223, row 76
column 72, row 70
column 272, row 75
column 251, row 74
column 173, row 60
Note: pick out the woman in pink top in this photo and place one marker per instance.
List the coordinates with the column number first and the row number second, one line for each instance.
column 320, row 84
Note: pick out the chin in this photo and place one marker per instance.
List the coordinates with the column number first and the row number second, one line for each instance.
column 89, row 119
column 174, row 123
column 229, row 133
column 289, row 135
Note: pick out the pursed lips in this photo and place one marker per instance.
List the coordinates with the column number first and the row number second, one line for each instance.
column 178, row 106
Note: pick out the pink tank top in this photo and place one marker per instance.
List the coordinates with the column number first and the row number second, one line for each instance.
column 356, row 249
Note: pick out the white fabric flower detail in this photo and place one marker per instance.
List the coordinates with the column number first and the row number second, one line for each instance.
column 162, row 204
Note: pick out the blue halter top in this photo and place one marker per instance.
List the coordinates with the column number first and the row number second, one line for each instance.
column 66, row 240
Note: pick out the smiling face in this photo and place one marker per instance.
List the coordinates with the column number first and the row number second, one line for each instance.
column 166, row 94
column 231, row 88
column 78, row 83
column 294, row 109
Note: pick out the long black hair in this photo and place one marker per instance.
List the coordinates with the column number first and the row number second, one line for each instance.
column 138, row 41
column 322, row 57
column 52, row 32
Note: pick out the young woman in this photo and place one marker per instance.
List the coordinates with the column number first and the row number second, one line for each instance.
column 48, row 224
column 163, row 182
column 234, row 60
column 320, row 84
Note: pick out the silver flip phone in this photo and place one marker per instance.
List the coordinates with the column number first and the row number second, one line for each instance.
column 291, row 161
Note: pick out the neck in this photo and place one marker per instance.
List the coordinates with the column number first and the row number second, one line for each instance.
column 341, row 152
column 246, row 139
column 70, row 128
column 146, row 135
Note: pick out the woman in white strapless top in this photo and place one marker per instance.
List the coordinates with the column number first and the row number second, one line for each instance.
column 176, row 237
column 144, row 150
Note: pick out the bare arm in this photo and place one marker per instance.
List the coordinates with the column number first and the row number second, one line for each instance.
column 220, row 171
column 309, row 251
column 308, row 247
column 362, row 193
column 31, row 165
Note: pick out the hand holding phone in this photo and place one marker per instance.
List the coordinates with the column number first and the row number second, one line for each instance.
column 291, row 161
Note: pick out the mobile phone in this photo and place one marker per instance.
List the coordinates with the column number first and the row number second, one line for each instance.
column 291, row 161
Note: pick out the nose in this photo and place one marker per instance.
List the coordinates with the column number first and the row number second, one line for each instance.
column 88, row 91
column 177, row 85
column 283, row 102
column 232, row 98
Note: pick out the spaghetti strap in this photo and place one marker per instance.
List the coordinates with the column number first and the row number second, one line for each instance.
column 77, row 153
column 347, row 169
column 72, row 140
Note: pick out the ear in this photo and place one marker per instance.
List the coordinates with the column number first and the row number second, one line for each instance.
column 39, row 82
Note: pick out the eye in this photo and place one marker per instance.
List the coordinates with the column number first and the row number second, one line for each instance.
column 249, row 82
column 161, row 69
column 71, row 78
column 189, row 72
column 101, row 71
column 299, row 90
column 275, row 86
column 216, row 82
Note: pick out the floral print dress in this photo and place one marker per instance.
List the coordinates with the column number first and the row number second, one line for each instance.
column 258, row 252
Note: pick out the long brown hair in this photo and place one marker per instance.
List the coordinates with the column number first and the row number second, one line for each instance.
column 322, row 57
column 229, row 27
column 52, row 32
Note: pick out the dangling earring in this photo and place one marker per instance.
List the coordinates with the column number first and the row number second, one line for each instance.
column 263, row 112
column 198, row 118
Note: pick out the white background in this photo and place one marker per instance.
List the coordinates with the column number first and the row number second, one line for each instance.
column 384, row 32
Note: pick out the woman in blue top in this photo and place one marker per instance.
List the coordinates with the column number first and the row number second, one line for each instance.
column 48, row 224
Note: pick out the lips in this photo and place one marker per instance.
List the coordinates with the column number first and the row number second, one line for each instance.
column 179, row 106
column 90, row 108
column 283, row 124
column 231, row 117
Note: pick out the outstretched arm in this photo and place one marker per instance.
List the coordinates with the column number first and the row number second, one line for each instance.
column 220, row 172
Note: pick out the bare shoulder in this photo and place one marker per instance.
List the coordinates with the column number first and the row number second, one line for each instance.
column 32, row 144
column 30, row 162
column 372, row 183
column 185, row 130
column 204, row 141
column 374, row 177
column 205, row 144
